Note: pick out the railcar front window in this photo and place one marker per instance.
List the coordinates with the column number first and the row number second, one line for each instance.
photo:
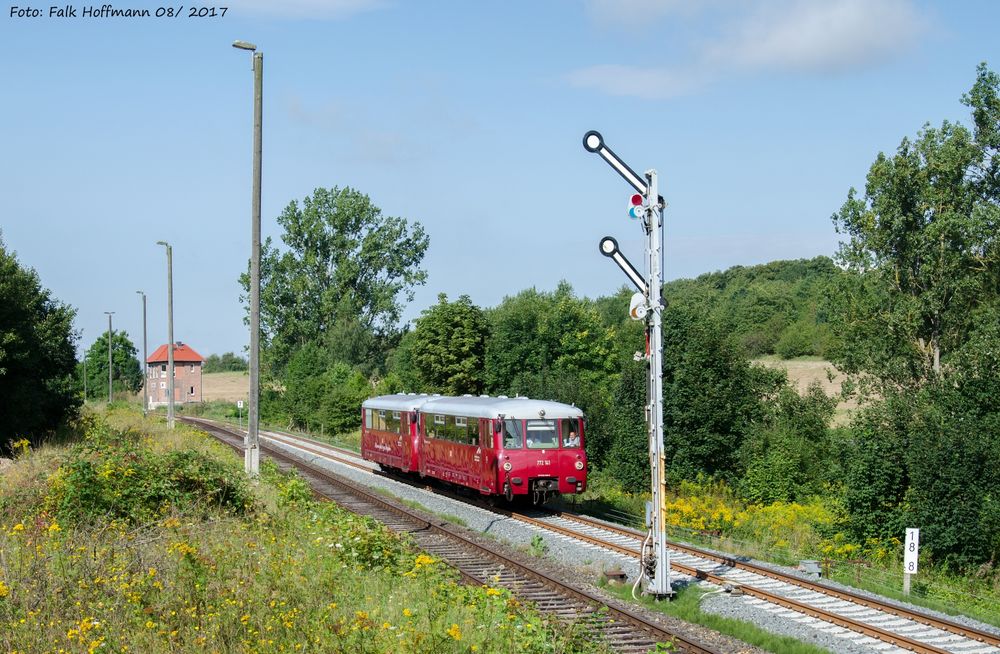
column 513, row 437
column 542, row 434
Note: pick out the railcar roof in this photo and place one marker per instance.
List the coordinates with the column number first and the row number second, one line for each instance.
column 397, row 402
column 475, row 407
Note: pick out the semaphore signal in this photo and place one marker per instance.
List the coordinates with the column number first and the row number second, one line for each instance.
column 646, row 205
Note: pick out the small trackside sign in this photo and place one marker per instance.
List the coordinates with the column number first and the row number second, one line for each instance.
column 911, row 550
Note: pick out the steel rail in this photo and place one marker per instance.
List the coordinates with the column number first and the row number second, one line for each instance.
column 936, row 622
column 854, row 625
column 625, row 615
column 827, row 616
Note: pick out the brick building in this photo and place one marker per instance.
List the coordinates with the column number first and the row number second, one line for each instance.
column 187, row 376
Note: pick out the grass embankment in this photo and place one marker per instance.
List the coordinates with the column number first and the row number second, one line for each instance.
column 709, row 514
column 141, row 539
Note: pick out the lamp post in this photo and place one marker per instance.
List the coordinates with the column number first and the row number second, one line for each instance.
column 170, row 331
column 252, row 442
column 145, row 372
column 110, row 362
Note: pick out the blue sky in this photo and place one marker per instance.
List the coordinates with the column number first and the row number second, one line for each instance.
column 759, row 115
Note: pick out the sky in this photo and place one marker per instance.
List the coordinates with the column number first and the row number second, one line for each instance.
column 467, row 117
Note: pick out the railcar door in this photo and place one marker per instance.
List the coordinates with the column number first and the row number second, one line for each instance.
column 406, row 443
column 487, row 457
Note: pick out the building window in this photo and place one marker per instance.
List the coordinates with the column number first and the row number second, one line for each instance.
column 163, row 384
column 191, row 391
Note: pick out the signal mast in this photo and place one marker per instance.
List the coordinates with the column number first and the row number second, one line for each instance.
column 646, row 206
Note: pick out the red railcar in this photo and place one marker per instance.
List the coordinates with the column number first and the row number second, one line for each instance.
column 515, row 447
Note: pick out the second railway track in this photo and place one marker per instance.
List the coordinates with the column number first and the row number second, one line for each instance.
column 624, row 630
column 897, row 627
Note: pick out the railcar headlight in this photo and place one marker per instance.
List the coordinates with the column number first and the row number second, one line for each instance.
column 579, row 465
column 507, row 466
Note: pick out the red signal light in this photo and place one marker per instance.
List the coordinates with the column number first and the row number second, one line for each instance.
column 636, row 199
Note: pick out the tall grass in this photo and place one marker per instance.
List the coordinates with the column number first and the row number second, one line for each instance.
column 178, row 569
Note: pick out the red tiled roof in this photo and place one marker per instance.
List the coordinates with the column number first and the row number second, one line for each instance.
column 182, row 352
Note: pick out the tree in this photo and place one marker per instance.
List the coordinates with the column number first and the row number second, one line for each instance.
column 449, row 347
column 556, row 346
column 228, row 362
column 922, row 248
column 535, row 334
column 126, row 369
column 321, row 392
column 788, row 455
column 346, row 264
column 37, row 361
column 711, row 395
column 628, row 460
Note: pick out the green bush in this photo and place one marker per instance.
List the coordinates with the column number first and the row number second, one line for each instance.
column 113, row 475
column 802, row 338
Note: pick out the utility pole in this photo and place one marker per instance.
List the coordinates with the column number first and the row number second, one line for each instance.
column 170, row 331
column 110, row 361
column 252, row 442
column 647, row 304
column 84, row 371
column 145, row 371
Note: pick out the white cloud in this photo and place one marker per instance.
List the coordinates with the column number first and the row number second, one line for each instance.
column 798, row 36
column 820, row 37
column 315, row 9
column 649, row 83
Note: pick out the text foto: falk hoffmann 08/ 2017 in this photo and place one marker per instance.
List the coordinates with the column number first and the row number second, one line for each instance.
column 111, row 11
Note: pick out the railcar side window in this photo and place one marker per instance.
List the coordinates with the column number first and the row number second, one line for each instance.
column 381, row 420
column 513, row 437
column 461, row 430
column 473, row 431
column 571, row 432
column 368, row 419
column 542, row 434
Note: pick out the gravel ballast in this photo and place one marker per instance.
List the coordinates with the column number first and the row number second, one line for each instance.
column 585, row 562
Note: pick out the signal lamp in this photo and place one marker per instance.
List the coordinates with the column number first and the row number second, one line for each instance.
column 636, row 209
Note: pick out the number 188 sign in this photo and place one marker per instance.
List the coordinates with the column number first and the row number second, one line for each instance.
column 911, row 549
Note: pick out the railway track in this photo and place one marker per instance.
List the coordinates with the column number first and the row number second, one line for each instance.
column 624, row 630
column 894, row 625
column 812, row 592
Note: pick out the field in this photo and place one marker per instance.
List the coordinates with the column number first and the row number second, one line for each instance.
column 229, row 386
column 806, row 370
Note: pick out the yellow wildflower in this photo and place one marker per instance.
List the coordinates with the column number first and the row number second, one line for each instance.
column 4, row 590
column 407, row 612
column 455, row 632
